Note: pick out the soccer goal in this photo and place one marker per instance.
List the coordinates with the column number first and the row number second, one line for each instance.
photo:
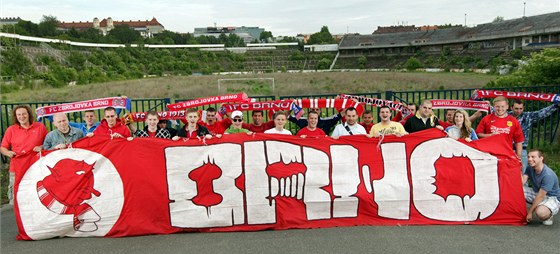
column 256, row 86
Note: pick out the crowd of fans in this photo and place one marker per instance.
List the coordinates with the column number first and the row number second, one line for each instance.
column 27, row 137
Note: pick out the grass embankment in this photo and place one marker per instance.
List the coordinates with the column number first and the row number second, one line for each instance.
column 178, row 87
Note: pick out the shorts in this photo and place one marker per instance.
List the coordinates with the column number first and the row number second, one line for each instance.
column 549, row 202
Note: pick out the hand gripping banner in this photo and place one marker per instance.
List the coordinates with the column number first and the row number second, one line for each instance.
column 115, row 188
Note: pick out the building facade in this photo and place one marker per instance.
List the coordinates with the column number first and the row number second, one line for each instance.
column 146, row 28
column 248, row 34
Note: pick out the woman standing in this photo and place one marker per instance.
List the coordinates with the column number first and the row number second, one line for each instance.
column 280, row 118
column 461, row 128
column 21, row 141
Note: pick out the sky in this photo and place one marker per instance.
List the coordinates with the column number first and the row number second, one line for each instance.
column 281, row 17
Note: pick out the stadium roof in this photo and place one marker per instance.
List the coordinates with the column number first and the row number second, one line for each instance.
column 526, row 26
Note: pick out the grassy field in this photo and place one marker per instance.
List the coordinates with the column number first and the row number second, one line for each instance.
column 285, row 84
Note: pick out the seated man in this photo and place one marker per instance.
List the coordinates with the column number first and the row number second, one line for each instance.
column 544, row 195
column 90, row 122
column 111, row 125
column 63, row 135
column 351, row 126
column 386, row 126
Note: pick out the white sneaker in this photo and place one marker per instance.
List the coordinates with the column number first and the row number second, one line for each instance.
column 548, row 222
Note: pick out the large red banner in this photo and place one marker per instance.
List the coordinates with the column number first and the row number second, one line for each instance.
column 114, row 188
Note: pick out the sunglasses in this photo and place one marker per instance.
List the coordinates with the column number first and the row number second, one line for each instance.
column 237, row 120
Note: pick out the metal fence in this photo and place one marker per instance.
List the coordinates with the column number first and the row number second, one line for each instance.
column 543, row 131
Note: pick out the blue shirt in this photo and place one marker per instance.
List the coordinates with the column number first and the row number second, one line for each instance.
column 546, row 180
column 83, row 127
column 527, row 119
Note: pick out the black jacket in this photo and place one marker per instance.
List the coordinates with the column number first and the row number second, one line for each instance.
column 201, row 131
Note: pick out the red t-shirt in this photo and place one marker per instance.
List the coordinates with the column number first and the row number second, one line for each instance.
column 151, row 134
column 444, row 124
column 22, row 141
column 367, row 126
column 219, row 127
column 311, row 134
column 259, row 129
column 507, row 125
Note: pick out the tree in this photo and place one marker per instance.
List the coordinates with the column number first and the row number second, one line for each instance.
column 362, row 61
column 47, row 26
column 498, row 19
column 412, row 64
column 322, row 37
column 542, row 69
column 265, row 35
column 123, row 34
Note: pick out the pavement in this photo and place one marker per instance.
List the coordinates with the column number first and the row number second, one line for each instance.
column 533, row 238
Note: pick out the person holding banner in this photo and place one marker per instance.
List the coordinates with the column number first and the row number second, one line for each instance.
column 311, row 129
column 213, row 125
column 192, row 129
column 423, row 119
column 367, row 118
column 500, row 122
column 21, row 140
column 544, row 195
column 151, row 130
column 279, row 118
column 111, row 125
column 237, row 125
column 461, row 128
column 386, row 126
column 63, row 135
column 526, row 120
column 350, row 127
column 89, row 125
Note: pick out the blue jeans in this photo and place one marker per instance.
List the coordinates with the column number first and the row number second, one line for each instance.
column 524, row 160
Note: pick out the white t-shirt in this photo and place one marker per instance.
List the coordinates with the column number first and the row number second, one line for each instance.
column 275, row 131
column 340, row 130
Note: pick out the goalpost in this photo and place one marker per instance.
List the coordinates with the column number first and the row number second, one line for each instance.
column 244, row 84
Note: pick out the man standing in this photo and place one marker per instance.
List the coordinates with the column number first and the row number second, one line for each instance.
column 351, row 126
column 213, row 125
column 544, row 195
column 111, row 125
column 89, row 125
column 412, row 107
column 63, row 135
column 386, row 126
column 258, row 126
column 367, row 120
column 311, row 129
column 526, row 120
column 449, row 113
column 501, row 123
column 424, row 119
column 325, row 123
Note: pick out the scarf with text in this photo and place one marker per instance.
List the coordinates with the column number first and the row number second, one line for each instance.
column 482, row 94
column 115, row 102
column 461, row 104
column 240, row 97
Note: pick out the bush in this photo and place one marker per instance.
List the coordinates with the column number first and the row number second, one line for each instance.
column 542, row 69
column 362, row 61
column 412, row 64
column 324, row 64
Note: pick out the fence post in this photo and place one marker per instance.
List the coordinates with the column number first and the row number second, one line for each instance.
column 389, row 95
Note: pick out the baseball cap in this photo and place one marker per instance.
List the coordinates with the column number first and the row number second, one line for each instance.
column 236, row 113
